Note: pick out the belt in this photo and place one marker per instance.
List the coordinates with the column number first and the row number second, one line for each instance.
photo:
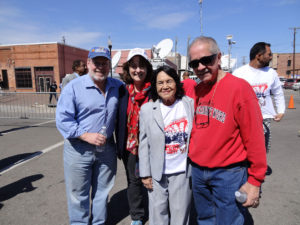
column 241, row 164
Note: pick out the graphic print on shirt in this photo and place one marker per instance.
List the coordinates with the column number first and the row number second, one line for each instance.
column 176, row 136
column 260, row 91
column 208, row 109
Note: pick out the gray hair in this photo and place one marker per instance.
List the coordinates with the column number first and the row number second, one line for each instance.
column 213, row 46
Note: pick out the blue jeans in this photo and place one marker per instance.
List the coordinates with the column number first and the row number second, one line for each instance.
column 213, row 191
column 86, row 170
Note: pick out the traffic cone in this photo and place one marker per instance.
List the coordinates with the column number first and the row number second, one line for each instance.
column 291, row 103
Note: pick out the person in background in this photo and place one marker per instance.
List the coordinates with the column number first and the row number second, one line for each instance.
column 137, row 72
column 227, row 142
column 79, row 69
column 52, row 90
column 165, row 127
column 264, row 81
column 85, row 105
column 188, row 84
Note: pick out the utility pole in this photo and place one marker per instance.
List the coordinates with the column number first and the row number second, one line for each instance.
column 201, row 27
column 175, row 56
column 187, row 53
column 244, row 60
column 64, row 60
column 294, row 49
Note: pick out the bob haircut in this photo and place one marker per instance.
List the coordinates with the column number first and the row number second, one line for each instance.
column 144, row 62
column 170, row 72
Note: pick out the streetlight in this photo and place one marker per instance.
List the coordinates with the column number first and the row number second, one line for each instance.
column 109, row 43
column 230, row 43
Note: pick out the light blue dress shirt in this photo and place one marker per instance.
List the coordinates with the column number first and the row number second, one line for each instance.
column 82, row 107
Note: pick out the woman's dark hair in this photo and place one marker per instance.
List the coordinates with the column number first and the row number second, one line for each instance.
column 170, row 72
column 144, row 62
column 258, row 48
column 76, row 63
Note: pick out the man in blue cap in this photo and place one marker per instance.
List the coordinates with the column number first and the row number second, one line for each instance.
column 87, row 104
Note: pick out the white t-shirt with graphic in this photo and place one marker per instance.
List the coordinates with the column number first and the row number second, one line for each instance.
column 176, row 128
column 264, row 81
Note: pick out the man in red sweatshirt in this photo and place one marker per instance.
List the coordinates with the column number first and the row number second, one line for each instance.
column 188, row 84
column 227, row 140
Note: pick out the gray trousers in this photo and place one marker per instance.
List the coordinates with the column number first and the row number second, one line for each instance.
column 170, row 200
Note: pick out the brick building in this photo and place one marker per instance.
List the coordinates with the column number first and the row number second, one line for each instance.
column 33, row 67
column 283, row 64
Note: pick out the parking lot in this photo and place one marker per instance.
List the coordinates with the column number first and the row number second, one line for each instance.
column 32, row 187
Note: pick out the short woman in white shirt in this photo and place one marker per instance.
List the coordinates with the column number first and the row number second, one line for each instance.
column 165, row 127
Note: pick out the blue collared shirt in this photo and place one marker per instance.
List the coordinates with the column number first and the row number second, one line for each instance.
column 82, row 107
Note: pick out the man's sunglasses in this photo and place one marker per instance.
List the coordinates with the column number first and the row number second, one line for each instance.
column 205, row 61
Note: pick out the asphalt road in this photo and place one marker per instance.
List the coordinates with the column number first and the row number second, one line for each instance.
column 32, row 187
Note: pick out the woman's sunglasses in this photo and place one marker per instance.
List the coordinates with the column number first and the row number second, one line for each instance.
column 205, row 61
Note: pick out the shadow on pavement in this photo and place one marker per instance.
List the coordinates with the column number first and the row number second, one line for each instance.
column 13, row 160
column 248, row 218
column 15, row 129
column 20, row 186
column 118, row 208
column 269, row 171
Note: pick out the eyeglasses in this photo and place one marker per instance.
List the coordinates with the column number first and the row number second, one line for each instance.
column 204, row 111
column 161, row 83
column 100, row 64
column 205, row 61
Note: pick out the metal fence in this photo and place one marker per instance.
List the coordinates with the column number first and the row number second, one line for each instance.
column 25, row 105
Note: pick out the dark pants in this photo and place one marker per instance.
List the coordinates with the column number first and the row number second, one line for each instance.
column 50, row 97
column 135, row 190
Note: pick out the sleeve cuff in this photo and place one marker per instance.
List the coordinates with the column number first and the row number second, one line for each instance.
column 254, row 182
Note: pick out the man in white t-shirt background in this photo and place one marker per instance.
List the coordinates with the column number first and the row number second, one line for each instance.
column 265, row 82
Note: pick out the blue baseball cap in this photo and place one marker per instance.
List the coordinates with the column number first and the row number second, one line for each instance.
column 99, row 51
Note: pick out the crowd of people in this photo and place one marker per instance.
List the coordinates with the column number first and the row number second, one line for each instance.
column 181, row 143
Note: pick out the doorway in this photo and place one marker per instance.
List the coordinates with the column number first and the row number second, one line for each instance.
column 43, row 83
column 4, row 83
column 43, row 78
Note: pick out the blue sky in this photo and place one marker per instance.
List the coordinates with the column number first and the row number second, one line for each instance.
column 137, row 23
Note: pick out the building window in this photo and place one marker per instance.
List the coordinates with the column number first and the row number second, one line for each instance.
column 289, row 62
column 45, row 68
column 23, row 78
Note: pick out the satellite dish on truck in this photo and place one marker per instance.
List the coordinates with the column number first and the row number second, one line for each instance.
column 163, row 48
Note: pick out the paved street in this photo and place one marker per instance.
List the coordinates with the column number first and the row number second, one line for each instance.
column 32, row 187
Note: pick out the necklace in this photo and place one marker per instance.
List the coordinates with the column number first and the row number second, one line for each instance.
column 213, row 95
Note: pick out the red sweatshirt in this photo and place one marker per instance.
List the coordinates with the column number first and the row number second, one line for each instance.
column 189, row 87
column 234, row 131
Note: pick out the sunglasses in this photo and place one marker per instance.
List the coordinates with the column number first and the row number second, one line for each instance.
column 203, row 123
column 205, row 61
